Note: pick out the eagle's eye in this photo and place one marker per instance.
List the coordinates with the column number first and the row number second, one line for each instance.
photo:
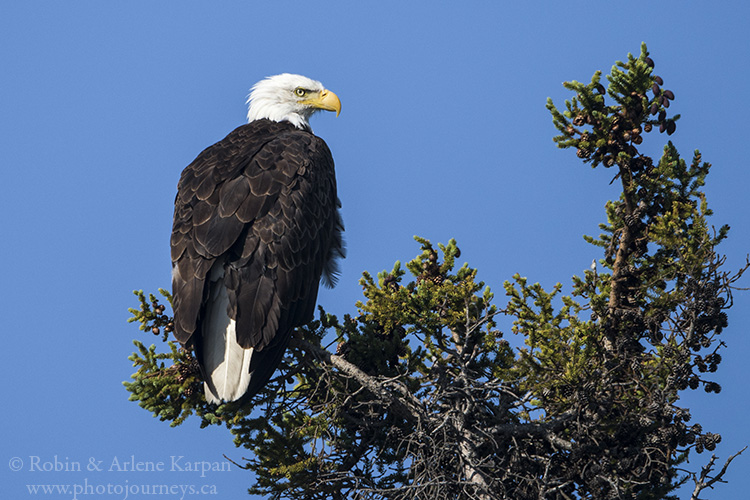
column 300, row 92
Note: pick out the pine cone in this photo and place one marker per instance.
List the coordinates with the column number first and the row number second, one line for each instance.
column 342, row 348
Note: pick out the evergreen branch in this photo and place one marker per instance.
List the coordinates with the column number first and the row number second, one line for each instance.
column 409, row 408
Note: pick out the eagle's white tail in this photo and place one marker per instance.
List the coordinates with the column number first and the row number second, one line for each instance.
column 226, row 363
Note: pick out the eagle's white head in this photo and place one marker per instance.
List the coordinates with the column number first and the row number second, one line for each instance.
column 293, row 98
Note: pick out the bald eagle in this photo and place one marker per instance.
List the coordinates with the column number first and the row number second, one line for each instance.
column 256, row 228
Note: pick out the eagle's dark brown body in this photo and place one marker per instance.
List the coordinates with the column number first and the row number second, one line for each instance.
column 256, row 226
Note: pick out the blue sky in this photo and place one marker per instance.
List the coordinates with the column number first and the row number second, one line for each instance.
column 443, row 133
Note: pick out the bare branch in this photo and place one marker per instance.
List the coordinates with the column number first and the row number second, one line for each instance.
column 706, row 480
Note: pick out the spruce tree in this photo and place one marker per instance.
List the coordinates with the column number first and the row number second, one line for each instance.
column 419, row 394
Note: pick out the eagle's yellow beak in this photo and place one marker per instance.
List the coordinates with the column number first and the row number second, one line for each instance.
column 326, row 100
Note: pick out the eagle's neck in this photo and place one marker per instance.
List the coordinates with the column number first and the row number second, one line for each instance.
column 271, row 109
